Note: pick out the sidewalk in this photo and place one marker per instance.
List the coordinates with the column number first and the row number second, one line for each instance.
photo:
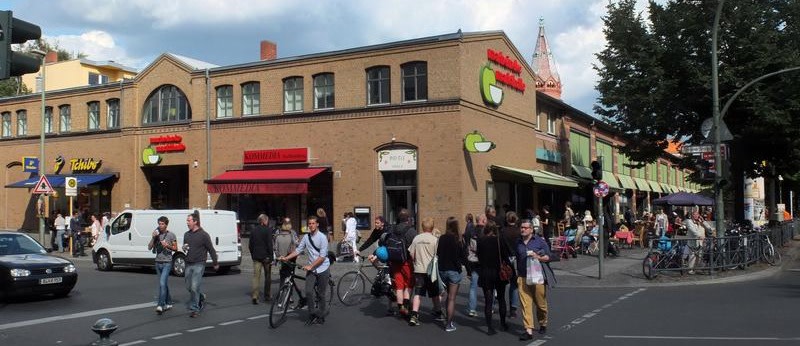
column 622, row 271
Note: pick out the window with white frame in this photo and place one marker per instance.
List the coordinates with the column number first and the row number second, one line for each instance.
column 22, row 122
column 6, row 124
column 378, row 91
column 48, row 119
column 551, row 124
column 94, row 115
column 112, row 107
column 167, row 104
column 415, row 81
column 64, row 118
column 251, row 98
column 323, row 91
column 293, row 94
column 539, row 117
column 225, row 101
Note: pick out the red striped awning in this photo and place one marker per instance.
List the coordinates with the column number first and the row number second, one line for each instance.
column 263, row 181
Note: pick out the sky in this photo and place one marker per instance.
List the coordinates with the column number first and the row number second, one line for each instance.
column 227, row 32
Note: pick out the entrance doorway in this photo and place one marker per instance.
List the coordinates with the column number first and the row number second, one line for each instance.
column 169, row 186
column 400, row 191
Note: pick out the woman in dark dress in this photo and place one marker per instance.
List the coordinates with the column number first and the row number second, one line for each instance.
column 490, row 252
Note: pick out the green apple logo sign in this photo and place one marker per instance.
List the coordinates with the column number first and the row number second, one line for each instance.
column 475, row 143
column 150, row 157
column 492, row 94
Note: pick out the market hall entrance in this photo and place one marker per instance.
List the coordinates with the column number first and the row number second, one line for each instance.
column 400, row 191
column 169, row 186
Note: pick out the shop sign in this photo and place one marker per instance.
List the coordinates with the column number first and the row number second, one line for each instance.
column 30, row 164
column 85, row 165
column 512, row 65
column 259, row 188
column 59, row 165
column 548, row 155
column 289, row 155
column 397, row 160
column 167, row 144
column 150, row 156
column 475, row 143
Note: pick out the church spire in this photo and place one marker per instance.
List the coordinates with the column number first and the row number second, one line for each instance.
column 544, row 66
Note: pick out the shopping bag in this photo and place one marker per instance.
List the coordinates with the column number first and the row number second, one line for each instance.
column 534, row 274
column 433, row 269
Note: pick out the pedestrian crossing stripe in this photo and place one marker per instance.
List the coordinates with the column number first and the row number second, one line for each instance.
column 43, row 186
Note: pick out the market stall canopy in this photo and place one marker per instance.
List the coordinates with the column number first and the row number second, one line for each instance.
column 58, row 180
column 540, row 176
column 263, row 181
column 684, row 199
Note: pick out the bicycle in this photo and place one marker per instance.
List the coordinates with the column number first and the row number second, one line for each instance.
column 767, row 250
column 664, row 256
column 352, row 286
column 281, row 304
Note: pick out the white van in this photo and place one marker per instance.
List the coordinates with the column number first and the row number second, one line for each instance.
column 131, row 231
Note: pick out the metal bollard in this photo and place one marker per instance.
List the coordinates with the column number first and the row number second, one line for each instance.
column 104, row 327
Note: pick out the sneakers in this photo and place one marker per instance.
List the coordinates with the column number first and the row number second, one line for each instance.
column 414, row 320
column 451, row 327
column 202, row 303
column 525, row 336
column 255, row 301
column 159, row 309
column 167, row 307
column 439, row 315
column 472, row 313
column 403, row 311
column 194, row 314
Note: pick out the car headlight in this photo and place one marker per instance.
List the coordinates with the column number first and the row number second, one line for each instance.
column 70, row 268
column 20, row 272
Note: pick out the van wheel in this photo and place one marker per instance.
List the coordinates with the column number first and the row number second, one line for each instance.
column 224, row 270
column 178, row 265
column 104, row 261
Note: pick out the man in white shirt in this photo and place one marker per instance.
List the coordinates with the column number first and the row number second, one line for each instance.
column 697, row 234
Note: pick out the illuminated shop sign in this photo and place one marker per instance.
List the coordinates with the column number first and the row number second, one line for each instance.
column 167, row 144
column 89, row 165
column 289, row 155
column 510, row 79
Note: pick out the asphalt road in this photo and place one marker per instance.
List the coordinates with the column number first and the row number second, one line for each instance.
column 758, row 312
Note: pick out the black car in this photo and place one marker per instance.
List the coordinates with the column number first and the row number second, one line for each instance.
column 26, row 268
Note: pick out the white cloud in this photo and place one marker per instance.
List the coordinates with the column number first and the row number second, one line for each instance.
column 97, row 45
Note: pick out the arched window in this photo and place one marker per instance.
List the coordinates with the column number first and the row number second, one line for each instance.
column 167, row 104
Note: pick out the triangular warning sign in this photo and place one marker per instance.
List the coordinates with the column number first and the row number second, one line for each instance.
column 43, row 186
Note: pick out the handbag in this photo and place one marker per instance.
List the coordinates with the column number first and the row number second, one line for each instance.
column 505, row 272
column 534, row 274
column 433, row 269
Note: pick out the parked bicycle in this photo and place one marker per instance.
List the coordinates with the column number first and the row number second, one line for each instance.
column 288, row 294
column 352, row 285
column 666, row 254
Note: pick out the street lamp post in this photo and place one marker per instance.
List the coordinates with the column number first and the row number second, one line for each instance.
column 719, row 215
column 42, row 197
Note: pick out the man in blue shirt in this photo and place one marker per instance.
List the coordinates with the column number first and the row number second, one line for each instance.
column 315, row 244
column 533, row 246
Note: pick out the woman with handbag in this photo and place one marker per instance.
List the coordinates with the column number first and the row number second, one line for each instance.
column 532, row 250
column 451, row 255
column 494, row 274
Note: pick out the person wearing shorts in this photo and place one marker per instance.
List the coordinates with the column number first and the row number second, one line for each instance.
column 422, row 251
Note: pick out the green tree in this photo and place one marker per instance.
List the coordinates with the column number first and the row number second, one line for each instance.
column 655, row 77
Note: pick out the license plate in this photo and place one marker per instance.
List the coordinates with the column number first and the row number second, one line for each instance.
column 46, row 281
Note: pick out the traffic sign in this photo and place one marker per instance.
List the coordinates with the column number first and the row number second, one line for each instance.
column 601, row 189
column 43, row 186
column 71, row 186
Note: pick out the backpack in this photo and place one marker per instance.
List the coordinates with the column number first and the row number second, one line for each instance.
column 396, row 245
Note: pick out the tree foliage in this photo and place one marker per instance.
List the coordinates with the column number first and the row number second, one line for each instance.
column 655, row 77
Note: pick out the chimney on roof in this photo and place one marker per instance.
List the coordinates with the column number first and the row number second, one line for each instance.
column 51, row 56
column 269, row 51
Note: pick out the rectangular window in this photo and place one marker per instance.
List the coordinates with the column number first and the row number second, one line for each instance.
column 415, row 81
column 113, row 113
column 323, row 91
column 224, row 101
column 539, row 117
column 622, row 162
column 48, row 120
column 251, row 98
column 293, row 94
column 94, row 78
column 64, row 119
column 94, row 115
column 6, row 124
column 378, row 85
column 604, row 151
column 662, row 173
column 22, row 123
column 579, row 149
column 551, row 124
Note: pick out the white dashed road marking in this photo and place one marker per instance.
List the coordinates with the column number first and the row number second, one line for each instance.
column 166, row 336
column 133, row 343
column 595, row 312
column 199, row 329
column 230, row 322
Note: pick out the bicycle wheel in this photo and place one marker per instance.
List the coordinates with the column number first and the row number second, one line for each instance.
column 351, row 288
column 330, row 294
column 280, row 306
column 770, row 255
column 649, row 265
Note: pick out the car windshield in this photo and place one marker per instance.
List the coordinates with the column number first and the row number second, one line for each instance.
column 19, row 244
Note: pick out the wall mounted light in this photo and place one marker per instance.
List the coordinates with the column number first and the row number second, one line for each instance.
column 195, row 164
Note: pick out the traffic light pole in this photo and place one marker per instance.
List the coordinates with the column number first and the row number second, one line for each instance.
column 600, row 235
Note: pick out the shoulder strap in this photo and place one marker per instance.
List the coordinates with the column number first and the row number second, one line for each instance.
column 312, row 242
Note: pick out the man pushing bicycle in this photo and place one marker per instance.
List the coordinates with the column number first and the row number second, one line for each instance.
column 315, row 244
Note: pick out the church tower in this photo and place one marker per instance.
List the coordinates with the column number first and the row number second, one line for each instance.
column 544, row 66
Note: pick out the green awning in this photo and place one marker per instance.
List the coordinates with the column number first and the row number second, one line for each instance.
column 583, row 172
column 655, row 187
column 611, row 180
column 626, row 181
column 666, row 188
column 642, row 184
column 540, row 176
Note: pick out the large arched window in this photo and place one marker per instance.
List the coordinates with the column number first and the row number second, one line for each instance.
column 167, row 104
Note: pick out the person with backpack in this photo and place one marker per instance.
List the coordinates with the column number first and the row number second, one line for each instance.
column 284, row 243
column 400, row 265
column 315, row 245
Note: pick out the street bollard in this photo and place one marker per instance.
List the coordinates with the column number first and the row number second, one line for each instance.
column 104, row 327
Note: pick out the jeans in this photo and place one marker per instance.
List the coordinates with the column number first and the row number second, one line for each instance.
column 473, row 291
column 60, row 240
column 162, row 271
column 450, row 277
column 318, row 282
column 193, row 279
column 513, row 291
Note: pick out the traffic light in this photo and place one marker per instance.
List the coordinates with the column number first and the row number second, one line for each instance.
column 597, row 170
column 13, row 30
